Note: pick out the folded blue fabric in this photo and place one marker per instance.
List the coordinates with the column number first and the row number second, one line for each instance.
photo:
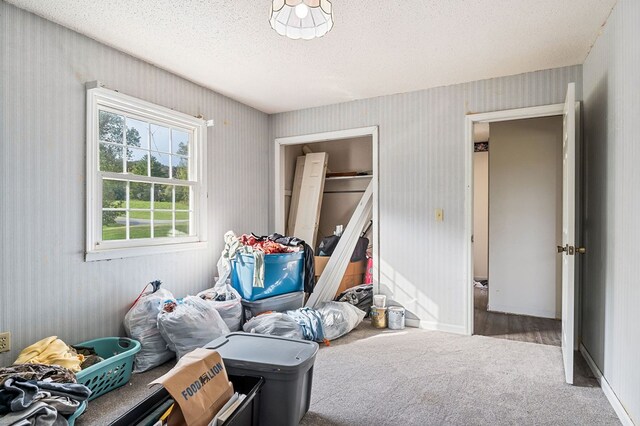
column 311, row 323
column 18, row 394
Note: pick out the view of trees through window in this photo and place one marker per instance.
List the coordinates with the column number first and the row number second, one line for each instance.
column 134, row 209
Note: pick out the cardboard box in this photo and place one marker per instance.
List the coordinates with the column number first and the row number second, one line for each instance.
column 200, row 386
column 353, row 276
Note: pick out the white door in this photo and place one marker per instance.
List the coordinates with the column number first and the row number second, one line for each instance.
column 310, row 198
column 568, row 249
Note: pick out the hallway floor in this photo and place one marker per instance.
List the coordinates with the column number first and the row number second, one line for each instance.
column 523, row 328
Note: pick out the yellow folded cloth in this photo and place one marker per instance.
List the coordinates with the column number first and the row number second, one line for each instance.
column 51, row 351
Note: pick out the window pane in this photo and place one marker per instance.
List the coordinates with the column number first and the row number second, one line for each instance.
column 182, row 198
column 137, row 161
column 110, row 127
column 114, row 225
column 180, row 167
column 159, row 165
column 110, row 158
column 179, row 142
column 114, row 194
column 162, row 224
column 182, row 224
column 139, row 224
column 160, row 140
column 137, row 133
column 163, row 197
column 139, row 195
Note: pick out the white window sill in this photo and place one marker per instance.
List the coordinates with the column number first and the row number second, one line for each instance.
column 121, row 253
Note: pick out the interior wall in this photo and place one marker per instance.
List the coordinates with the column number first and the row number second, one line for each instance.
column 422, row 168
column 525, row 210
column 610, row 311
column 46, row 286
column 481, row 215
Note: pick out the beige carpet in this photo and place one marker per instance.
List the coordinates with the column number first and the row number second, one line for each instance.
column 416, row 377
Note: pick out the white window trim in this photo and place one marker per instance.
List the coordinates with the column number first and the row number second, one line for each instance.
column 96, row 249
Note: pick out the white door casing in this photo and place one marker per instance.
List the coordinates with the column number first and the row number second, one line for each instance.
column 568, row 231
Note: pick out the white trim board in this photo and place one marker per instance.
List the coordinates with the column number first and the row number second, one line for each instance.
column 434, row 326
column 519, row 310
column 279, row 191
column 624, row 417
column 487, row 117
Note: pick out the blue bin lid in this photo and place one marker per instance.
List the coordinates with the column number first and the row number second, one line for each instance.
column 263, row 352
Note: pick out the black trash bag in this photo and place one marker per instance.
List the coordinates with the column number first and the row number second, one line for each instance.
column 360, row 296
column 328, row 245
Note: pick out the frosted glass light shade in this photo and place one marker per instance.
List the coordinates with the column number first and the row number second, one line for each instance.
column 316, row 23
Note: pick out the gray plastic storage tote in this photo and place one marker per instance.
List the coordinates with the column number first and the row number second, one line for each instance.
column 285, row 364
column 282, row 303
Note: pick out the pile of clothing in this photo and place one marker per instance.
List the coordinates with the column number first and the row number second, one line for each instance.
column 258, row 247
column 53, row 351
column 39, row 394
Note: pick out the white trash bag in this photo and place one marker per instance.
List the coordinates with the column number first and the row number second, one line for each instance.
column 227, row 301
column 274, row 324
column 141, row 324
column 339, row 318
column 189, row 324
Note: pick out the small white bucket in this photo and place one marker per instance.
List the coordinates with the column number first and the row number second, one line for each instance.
column 379, row 300
column 396, row 317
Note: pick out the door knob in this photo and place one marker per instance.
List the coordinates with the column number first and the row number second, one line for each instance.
column 561, row 249
column 581, row 250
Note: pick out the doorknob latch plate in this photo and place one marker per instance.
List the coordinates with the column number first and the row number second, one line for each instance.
column 571, row 250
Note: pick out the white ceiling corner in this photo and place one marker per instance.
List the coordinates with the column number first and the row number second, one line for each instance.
column 375, row 48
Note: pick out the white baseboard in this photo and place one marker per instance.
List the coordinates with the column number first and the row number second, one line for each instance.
column 624, row 417
column 435, row 326
column 523, row 311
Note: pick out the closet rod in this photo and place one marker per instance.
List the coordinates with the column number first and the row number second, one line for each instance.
column 345, row 192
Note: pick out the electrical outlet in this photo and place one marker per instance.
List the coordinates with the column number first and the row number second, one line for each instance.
column 5, row 342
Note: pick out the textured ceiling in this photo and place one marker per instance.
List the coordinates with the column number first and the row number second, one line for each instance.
column 375, row 48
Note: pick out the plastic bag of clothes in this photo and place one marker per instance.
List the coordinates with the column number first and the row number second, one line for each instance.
column 310, row 322
column 360, row 296
column 339, row 318
column 190, row 323
column 226, row 300
column 274, row 324
column 141, row 324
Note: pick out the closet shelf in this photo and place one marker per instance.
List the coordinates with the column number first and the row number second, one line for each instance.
column 349, row 177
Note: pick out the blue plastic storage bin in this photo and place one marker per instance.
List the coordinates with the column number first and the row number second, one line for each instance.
column 283, row 273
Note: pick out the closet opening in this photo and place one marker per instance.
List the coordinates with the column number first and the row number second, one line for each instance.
column 345, row 163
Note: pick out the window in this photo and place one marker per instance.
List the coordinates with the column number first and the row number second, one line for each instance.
column 146, row 189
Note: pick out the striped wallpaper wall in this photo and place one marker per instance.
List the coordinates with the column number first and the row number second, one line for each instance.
column 46, row 287
column 610, row 312
column 422, row 168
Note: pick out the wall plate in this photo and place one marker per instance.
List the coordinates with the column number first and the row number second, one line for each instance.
column 5, row 342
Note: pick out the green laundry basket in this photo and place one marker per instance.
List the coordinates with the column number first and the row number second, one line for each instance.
column 115, row 370
column 72, row 419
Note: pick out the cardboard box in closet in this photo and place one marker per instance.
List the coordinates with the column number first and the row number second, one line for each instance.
column 353, row 276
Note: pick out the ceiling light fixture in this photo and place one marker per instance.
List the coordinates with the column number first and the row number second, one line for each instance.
column 306, row 19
